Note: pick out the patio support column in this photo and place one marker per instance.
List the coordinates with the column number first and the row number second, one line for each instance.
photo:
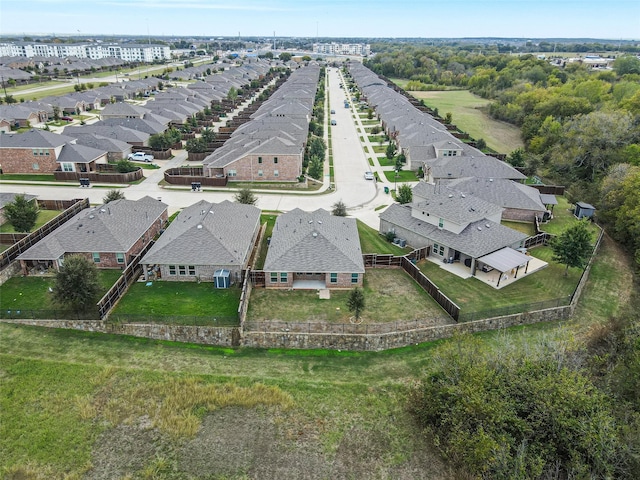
column 526, row 267
column 499, row 278
column 517, row 269
column 473, row 267
column 145, row 269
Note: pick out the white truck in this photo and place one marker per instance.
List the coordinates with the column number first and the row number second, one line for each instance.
column 140, row 157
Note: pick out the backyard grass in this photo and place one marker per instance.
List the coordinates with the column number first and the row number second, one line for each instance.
column 472, row 295
column 30, row 295
column 372, row 242
column 173, row 300
column 270, row 220
column 469, row 114
column 390, row 296
column 43, row 217
column 528, row 228
column 563, row 218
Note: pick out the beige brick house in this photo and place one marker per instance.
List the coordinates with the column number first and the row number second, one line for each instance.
column 310, row 250
column 109, row 235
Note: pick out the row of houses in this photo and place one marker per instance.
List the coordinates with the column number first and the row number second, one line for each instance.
column 458, row 207
column 306, row 250
column 122, row 126
column 270, row 147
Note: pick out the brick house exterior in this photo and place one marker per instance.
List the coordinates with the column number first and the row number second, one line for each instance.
column 265, row 168
column 109, row 235
column 203, row 238
column 314, row 250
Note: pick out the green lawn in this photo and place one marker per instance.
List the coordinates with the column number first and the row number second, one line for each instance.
column 469, row 115
column 472, row 295
column 379, row 148
column 178, row 302
column 390, row 296
column 403, row 176
column 372, row 242
column 270, row 220
column 43, row 217
column 528, row 228
column 376, row 139
column 29, row 177
column 385, row 162
column 30, row 295
column 563, row 218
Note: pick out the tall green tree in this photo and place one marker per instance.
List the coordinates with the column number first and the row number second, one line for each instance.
column 339, row 209
column 245, row 196
column 76, row 284
column 113, row 195
column 573, row 246
column 356, row 302
column 391, row 150
column 404, row 194
column 316, row 167
column 21, row 213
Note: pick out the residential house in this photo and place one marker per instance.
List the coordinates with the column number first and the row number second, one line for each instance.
column 457, row 226
column 204, row 238
column 110, row 235
column 314, row 250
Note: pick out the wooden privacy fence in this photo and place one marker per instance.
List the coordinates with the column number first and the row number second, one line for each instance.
column 129, row 275
column 27, row 242
column 188, row 175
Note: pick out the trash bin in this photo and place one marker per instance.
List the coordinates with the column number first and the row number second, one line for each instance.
column 386, row 189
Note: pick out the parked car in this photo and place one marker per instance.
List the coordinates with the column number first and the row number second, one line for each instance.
column 68, row 119
column 333, row 122
column 332, row 112
column 140, row 157
column 369, row 176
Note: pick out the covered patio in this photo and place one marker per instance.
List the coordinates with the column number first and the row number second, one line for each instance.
column 497, row 269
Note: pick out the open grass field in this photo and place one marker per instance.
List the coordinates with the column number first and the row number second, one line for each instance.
column 43, row 217
column 85, row 405
column 469, row 115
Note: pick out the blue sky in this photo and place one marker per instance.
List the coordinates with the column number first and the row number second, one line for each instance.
column 610, row 19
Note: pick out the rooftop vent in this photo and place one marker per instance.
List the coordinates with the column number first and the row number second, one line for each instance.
column 199, row 226
column 451, row 195
column 480, row 228
column 487, row 225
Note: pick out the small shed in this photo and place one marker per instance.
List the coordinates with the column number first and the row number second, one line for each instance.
column 221, row 278
column 584, row 210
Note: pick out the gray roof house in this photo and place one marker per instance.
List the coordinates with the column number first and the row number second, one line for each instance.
column 520, row 202
column 458, row 226
column 314, row 250
column 109, row 235
column 204, row 238
column 116, row 149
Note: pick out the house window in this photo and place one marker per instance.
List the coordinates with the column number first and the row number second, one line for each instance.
column 182, row 270
column 354, row 278
column 275, row 159
column 441, row 223
column 274, row 277
column 231, row 173
column 438, row 249
column 67, row 167
column 172, row 269
column 120, row 257
column 35, row 152
column 333, row 278
column 276, row 173
column 36, row 166
column 259, row 159
column 192, row 270
column 96, row 257
column 259, row 173
column 283, row 277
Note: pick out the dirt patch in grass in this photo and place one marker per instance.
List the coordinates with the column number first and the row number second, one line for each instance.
column 124, row 450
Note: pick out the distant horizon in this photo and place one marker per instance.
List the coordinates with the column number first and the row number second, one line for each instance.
column 556, row 19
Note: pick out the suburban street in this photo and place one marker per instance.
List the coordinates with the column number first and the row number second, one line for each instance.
column 360, row 196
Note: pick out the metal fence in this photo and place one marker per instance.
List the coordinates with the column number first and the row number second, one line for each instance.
column 275, row 326
column 513, row 309
column 187, row 320
column 30, row 314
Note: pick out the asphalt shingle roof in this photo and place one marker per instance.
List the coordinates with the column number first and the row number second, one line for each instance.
column 314, row 242
column 207, row 234
column 113, row 227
